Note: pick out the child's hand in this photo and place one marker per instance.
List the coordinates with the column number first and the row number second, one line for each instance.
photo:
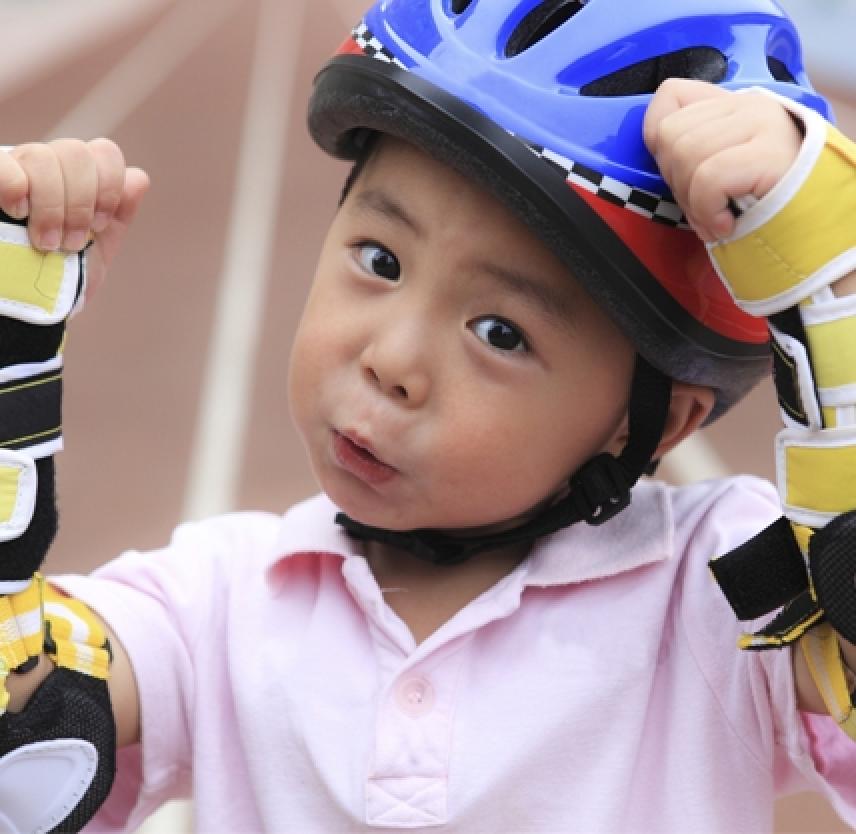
column 68, row 189
column 712, row 146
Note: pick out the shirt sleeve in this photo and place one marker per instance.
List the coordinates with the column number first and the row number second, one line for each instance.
column 162, row 605
column 756, row 690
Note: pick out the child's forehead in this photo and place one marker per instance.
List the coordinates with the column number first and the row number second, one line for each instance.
column 397, row 161
column 402, row 181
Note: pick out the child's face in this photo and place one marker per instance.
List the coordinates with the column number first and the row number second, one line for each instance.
column 448, row 372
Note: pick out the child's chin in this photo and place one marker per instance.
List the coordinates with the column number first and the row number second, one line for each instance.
column 365, row 507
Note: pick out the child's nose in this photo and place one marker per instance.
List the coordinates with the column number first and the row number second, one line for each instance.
column 394, row 363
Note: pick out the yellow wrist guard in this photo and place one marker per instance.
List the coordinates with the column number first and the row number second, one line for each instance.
column 801, row 236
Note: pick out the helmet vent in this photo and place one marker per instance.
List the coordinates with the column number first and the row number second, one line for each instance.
column 702, row 63
column 540, row 22
column 779, row 70
column 460, row 6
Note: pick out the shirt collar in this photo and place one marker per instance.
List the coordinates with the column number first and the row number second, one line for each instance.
column 637, row 536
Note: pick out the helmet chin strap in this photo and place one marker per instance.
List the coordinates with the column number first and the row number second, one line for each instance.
column 597, row 491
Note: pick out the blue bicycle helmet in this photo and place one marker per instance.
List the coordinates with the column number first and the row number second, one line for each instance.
column 542, row 102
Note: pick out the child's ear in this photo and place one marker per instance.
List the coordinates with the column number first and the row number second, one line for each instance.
column 689, row 408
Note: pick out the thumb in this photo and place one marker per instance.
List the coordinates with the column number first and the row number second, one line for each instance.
column 109, row 241
column 137, row 183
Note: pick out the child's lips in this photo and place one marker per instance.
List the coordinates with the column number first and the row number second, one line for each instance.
column 354, row 455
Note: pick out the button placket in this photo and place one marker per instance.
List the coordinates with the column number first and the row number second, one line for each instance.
column 409, row 774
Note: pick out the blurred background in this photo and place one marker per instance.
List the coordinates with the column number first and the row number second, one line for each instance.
column 175, row 403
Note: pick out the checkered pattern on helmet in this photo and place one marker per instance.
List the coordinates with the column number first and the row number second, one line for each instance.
column 653, row 206
column 372, row 46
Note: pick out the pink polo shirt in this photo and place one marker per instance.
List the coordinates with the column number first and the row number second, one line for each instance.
column 597, row 688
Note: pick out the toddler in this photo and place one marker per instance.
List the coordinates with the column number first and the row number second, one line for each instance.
column 563, row 247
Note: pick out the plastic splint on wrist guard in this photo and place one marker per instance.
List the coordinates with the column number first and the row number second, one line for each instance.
column 57, row 756
column 801, row 236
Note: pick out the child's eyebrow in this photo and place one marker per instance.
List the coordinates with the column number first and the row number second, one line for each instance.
column 380, row 203
column 550, row 301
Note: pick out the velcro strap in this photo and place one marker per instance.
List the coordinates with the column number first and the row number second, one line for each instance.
column 18, row 488
column 815, row 474
column 37, row 287
column 788, row 626
column 21, row 631
column 74, row 637
column 31, row 407
column 762, row 574
column 801, row 236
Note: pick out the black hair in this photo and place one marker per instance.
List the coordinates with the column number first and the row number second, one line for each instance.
column 366, row 150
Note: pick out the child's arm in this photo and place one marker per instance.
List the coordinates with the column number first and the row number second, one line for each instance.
column 63, row 192
column 121, row 684
column 67, row 190
column 716, row 148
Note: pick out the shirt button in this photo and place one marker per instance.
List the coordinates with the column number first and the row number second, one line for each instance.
column 414, row 696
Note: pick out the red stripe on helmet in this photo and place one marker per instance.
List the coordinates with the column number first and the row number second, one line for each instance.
column 350, row 47
column 680, row 263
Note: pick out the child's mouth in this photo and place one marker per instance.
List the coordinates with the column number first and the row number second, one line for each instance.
column 359, row 461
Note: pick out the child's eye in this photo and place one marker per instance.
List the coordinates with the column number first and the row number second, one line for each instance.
column 499, row 334
column 379, row 261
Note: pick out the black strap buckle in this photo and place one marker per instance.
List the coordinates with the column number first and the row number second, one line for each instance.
column 600, row 489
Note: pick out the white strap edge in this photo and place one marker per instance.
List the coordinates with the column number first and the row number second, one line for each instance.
column 14, row 586
column 838, row 397
column 823, row 312
column 25, row 500
column 29, row 369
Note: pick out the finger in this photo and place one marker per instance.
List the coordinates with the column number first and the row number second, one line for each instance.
column 673, row 95
column 46, row 194
column 80, row 179
column 110, row 168
column 702, row 231
column 711, row 115
column 700, row 141
column 136, row 184
column 14, row 187
column 731, row 174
